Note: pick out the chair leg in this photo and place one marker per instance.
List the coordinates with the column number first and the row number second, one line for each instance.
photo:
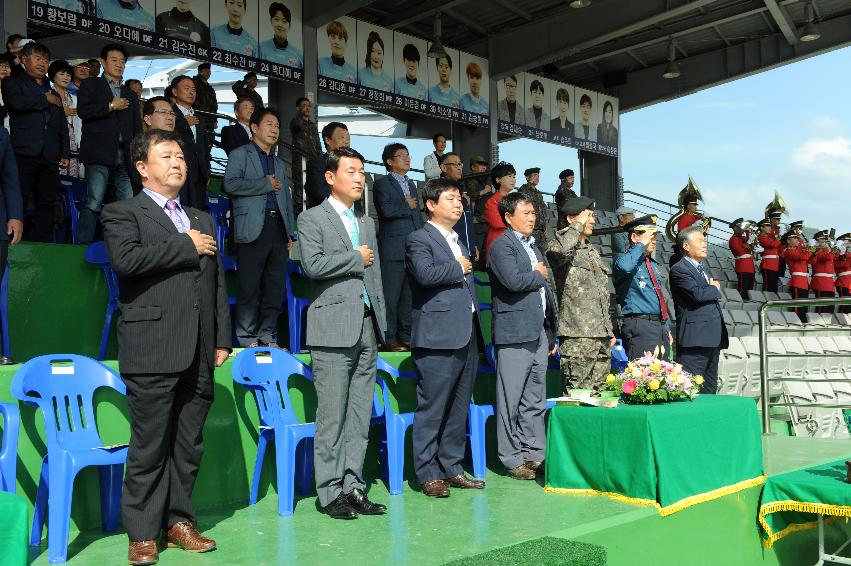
column 59, row 505
column 478, row 450
column 258, row 465
column 40, row 505
column 293, row 319
column 395, row 427
column 107, row 325
column 285, row 466
column 111, row 478
column 305, row 471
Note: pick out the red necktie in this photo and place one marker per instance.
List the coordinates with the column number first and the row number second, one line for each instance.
column 662, row 304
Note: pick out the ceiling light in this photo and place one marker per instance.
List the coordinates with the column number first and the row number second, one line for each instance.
column 436, row 51
column 672, row 70
column 580, row 3
column 810, row 31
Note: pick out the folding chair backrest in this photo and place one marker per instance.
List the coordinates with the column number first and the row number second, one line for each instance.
column 266, row 372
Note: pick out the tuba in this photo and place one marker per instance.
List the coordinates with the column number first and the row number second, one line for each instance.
column 777, row 205
column 689, row 192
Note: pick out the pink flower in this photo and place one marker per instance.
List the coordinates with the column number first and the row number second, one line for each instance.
column 629, row 386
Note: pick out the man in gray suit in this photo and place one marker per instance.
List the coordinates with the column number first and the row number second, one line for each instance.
column 508, row 108
column 524, row 317
column 264, row 226
column 345, row 317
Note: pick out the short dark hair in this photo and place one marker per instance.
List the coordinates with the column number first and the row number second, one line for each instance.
column 240, row 101
column 142, row 143
column 433, row 188
column 332, row 160
column 300, row 100
column 203, row 67
column 371, row 40
column 260, row 113
column 585, row 98
column 93, row 60
column 151, row 104
column 35, row 47
column 500, row 170
column 436, row 136
column 328, row 130
column 388, row 152
column 562, row 94
column 13, row 38
column 512, row 77
column 443, row 157
column 276, row 7
column 508, row 204
column 249, row 75
column 536, row 85
column 448, row 60
column 57, row 67
column 129, row 82
column 177, row 80
column 104, row 52
column 410, row 52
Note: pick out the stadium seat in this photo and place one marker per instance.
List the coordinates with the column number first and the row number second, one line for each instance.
column 735, row 364
column 11, row 416
column 73, row 442
column 395, row 424
column 97, row 256
column 733, row 296
column 296, row 307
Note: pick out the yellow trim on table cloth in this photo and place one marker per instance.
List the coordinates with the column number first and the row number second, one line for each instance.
column 833, row 512
column 674, row 507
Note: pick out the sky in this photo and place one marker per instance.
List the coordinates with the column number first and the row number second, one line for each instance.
column 786, row 130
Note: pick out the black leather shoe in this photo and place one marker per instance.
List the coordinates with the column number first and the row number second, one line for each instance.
column 4, row 361
column 358, row 500
column 340, row 508
column 464, row 482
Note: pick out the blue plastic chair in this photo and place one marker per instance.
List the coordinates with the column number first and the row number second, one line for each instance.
column 482, row 283
column 63, row 392
column 266, row 372
column 74, row 195
column 295, row 308
column 477, row 416
column 4, row 312
column 395, row 426
column 97, row 256
column 9, row 453
column 219, row 209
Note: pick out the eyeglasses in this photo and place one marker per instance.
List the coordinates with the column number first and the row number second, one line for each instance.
column 166, row 112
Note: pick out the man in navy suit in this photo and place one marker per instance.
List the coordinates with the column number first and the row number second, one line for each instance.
column 39, row 135
column 239, row 134
column 11, row 207
column 524, row 323
column 701, row 333
column 395, row 198
column 445, row 339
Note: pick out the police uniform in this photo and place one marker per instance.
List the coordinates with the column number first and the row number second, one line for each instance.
column 797, row 259
column 585, row 325
column 638, row 284
column 743, row 259
column 537, row 199
column 822, row 283
column 770, row 264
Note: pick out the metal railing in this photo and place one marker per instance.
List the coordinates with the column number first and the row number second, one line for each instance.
column 719, row 234
column 765, row 402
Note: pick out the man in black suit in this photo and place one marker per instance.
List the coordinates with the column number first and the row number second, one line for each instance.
column 193, row 131
column 157, row 114
column 334, row 135
column 701, row 333
column 11, row 207
column 445, row 341
column 110, row 114
column 174, row 328
column 39, row 135
column 239, row 134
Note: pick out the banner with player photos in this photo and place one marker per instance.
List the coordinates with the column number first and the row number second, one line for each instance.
column 264, row 36
column 380, row 66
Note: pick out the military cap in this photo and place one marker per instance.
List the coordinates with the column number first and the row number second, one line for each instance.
column 574, row 206
column 776, row 214
column 845, row 236
column 643, row 224
column 736, row 222
column 821, row 235
column 624, row 210
column 763, row 222
column 478, row 159
column 531, row 170
column 796, row 224
column 565, row 173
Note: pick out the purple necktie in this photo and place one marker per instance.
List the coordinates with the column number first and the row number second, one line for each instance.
column 171, row 208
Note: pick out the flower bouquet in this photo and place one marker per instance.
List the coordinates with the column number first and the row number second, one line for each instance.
column 649, row 380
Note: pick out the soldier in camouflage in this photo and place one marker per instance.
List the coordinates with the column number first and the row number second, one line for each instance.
column 585, row 326
column 306, row 138
column 532, row 194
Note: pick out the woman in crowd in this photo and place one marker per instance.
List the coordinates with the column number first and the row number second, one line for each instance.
column 504, row 178
column 59, row 72
column 607, row 133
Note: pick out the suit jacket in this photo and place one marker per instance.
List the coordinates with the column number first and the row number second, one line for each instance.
column 700, row 323
column 545, row 119
column 441, row 294
column 558, row 130
column 395, row 218
column 194, row 191
column 519, row 114
column 11, row 206
column 335, row 315
column 102, row 128
column 38, row 127
column 234, row 136
column 248, row 186
column 168, row 293
column 517, row 313
column 315, row 187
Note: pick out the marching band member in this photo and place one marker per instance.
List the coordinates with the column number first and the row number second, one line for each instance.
column 743, row 256
column 797, row 257
column 822, row 260
column 770, row 264
column 843, row 270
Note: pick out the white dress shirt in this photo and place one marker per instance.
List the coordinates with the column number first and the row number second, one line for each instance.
column 190, row 112
column 451, row 237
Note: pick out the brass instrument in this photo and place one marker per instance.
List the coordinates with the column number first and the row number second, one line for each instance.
column 775, row 206
column 689, row 192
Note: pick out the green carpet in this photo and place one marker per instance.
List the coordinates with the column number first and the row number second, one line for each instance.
column 542, row 551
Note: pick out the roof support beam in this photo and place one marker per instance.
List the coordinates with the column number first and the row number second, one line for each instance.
column 466, row 21
column 515, row 10
column 317, row 13
column 783, row 21
column 417, row 14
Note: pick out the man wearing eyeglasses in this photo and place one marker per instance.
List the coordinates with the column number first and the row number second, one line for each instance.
column 398, row 215
column 452, row 168
column 157, row 114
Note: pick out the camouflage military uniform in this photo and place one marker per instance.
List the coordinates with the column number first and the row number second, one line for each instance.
column 306, row 138
column 585, row 316
column 563, row 194
column 537, row 199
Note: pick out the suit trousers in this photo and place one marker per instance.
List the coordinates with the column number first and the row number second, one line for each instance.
column 444, row 388
column 167, row 414
column 42, row 179
column 261, row 284
column 521, row 401
column 641, row 335
column 397, row 300
column 770, row 280
column 344, row 379
column 701, row 361
column 745, row 284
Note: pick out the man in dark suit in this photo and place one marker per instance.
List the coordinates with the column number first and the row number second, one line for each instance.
column 11, row 207
column 39, row 135
column 524, row 324
column 174, row 328
column 395, row 198
column 334, row 135
column 345, row 321
column 109, row 110
column 445, row 338
column 264, row 228
column 157, row 114
column 239, row 134
column 193, row 131
column 701, row 333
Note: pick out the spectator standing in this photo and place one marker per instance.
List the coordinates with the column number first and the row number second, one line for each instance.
column 479, row 190
column 335, row 135
column 81, row 73
column 192, row 130
column 620, row 240
column 532, row 194
column 94, row 67
column 205, row 98
column 564, row 192
column 13, row 51
column 239, row 134
column 11, row 207
column 452, row 168
column 158, row 113
column 305, row 135
column 39, row 135
column 5, row 72
column 431, row 163
column 246, row 88
column 59, row 72
column 111, row 119
column 504, row 178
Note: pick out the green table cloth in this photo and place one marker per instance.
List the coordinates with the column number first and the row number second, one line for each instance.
column 792, row 501
column 14, row 529
column 669, row 456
